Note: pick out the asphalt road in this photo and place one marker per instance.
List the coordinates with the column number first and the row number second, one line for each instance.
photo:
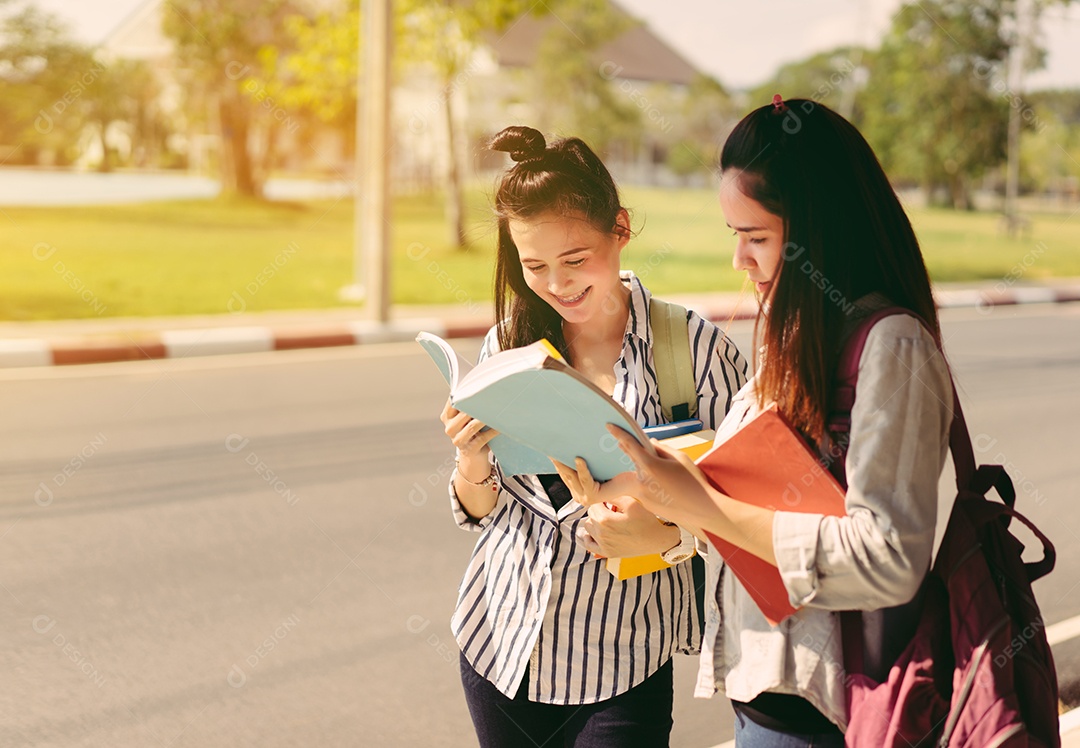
column 256, row 550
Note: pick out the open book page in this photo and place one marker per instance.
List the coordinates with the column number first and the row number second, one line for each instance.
column 514, row 458
column 531, row 395
column 451, row 365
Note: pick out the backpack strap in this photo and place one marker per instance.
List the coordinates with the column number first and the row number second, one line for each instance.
column 838, row 424
column 678, row 396
column 671, row 357
column 847, row 376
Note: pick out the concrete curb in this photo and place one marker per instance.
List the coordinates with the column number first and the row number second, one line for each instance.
column 209, row 341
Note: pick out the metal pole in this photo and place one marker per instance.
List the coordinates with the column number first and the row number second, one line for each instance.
column 1017, row 60
column 372, row 260
column 356, row 291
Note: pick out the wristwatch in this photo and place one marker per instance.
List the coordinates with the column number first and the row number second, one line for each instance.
column 683, row 550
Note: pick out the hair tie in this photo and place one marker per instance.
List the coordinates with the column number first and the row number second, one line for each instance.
column 527, row 157
column 779, row 107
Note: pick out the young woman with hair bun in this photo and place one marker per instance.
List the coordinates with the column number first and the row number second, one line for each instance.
column 554, row 649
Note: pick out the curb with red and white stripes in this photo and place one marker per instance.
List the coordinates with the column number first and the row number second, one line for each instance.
column 187, row 343
column 17, row 352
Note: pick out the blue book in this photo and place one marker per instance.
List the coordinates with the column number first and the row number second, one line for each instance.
column 673, row 429
column 540, row 405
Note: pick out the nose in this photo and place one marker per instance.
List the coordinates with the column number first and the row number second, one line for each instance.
column 741, row 260
column 556, row 281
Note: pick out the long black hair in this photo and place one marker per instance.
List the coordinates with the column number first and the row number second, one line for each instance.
column 845, row 235
column 566, row 178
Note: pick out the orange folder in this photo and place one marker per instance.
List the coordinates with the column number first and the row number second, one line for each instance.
column 768, row 464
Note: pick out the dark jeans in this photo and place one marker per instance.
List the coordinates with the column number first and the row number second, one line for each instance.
column 639, row 718
column 749, row 734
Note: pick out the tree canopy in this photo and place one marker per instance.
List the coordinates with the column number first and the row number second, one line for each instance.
column 930, row 112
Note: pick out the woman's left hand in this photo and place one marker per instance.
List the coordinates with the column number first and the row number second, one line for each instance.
column 624, row 529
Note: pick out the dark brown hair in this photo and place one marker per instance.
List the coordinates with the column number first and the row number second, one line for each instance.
column 566, row 178
column 845, row 236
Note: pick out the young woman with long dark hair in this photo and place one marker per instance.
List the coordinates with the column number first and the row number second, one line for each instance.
column 825, row 240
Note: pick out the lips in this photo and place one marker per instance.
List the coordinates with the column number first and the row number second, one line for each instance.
column 762, row 286
column 571, row 301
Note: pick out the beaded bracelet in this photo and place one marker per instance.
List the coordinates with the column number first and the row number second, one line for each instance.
column 490, row 480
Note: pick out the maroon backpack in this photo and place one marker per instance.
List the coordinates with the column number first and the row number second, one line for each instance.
column 978, row 671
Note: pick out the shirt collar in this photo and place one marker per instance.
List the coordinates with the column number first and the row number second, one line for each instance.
column 638, row 323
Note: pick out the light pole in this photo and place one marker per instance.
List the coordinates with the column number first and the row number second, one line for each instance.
column 1017, row 60
column 372, row 224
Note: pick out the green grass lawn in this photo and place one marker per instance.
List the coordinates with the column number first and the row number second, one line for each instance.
column 207, row 257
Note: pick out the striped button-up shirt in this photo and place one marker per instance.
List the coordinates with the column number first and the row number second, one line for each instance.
column 533, row 596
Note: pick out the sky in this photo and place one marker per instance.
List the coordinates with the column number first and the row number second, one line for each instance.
column 740, row 43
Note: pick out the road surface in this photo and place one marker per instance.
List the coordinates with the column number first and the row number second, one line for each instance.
column 256, row 550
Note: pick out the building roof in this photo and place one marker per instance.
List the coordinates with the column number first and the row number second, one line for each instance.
column 138, row 35
column 638, row 54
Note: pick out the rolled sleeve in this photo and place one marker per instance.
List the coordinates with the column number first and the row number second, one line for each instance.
column 795, row 540
column 462, row 518
column 877, row 554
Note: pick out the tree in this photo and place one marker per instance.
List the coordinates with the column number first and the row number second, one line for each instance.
column 219, row 42
column 125, row 93
column 831, row 78
column 1050, row 159
column 317, row 74
column 320, row 74
column 704, row 119
column 148, row 125
column 446, row 34
column 930, row 112
column 52, row 90
column 44, row 79
column 576, row 89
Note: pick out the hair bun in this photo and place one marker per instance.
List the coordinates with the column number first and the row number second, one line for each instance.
column 522, row 143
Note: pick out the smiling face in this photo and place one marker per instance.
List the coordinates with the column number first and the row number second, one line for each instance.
column 569, row 264
column 760, row 235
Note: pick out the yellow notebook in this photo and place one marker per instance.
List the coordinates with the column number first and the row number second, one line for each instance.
column 628, row 568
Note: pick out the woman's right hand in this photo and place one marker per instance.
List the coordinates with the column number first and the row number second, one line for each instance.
column 667, row 483
column 471, row 441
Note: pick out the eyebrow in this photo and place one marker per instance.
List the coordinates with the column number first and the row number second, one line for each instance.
column 561, row 254
column 746, row 229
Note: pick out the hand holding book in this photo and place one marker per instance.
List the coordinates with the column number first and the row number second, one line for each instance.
column 624, row 529
column 541, row 406
column 469, row 436
column 667, row 483
column 729, row 496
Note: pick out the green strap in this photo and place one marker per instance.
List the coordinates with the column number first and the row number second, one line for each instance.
column 671, row 357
